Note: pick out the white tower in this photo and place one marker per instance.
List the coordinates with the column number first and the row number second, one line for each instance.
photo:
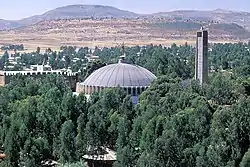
column 201, row 58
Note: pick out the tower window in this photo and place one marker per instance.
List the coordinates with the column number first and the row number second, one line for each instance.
column 199, row 34
column 205, row 34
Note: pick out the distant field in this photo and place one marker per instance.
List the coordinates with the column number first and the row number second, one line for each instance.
column 108, row 33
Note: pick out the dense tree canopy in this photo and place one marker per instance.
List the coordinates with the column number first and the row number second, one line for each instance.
column 176, row 122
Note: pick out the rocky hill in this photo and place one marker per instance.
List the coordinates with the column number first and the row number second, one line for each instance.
column 79, row 11
column 71, row 12
column 218, row 15
column 6, row 24
column 99, row 11
column 96, row 25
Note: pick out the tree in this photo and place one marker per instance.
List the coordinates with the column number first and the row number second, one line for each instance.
column 96, row 131
column 11, row 146
column 68, row 147
column 175, row 123
column 246, row 159
column 221, row 90
column 91, row 67
column 35, row 151
column 68, row 107
column 125, row 156
column 81, row 142
column 225, row 65
column 38, row 49
column 3, row 59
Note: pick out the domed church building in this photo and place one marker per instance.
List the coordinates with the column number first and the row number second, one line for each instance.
column 132, row 78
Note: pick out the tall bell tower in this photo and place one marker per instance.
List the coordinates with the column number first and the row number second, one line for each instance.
column 201, row 58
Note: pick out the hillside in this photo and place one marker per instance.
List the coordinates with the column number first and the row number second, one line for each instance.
column 99, row 11
column 110, row 32
column 79, row 11
column 6, row 24
column 71, row 12
column 96, row 25
column 218, row 15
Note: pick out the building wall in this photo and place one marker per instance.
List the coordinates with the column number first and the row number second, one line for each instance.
column 133, row 91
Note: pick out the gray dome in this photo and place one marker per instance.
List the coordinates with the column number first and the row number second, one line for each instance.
column 120, row 74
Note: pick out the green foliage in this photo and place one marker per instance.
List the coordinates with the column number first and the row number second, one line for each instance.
column 31, row 113
column 12, row 145
column 68, row 147
column 179, row 25
column 35, row 150
column 77, row 164
column 176, row 122
column 222, row 89
column 91, row 67
column 246, row 159
column 12, row 47
column 81, row 144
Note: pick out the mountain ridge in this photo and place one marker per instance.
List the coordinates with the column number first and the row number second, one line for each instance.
column 79, row 11
column 70, row 12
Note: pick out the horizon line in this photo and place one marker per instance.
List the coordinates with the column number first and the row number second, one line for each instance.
column 136, row 12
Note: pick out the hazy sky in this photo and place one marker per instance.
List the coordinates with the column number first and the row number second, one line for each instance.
column 16, row 9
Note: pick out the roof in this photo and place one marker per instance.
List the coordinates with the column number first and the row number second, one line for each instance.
column 101, row 154
column 120, row 74
column 49, row 162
